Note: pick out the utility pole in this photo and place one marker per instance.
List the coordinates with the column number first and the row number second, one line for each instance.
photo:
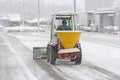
column 75, row 13
column 38, row 14
column 23, row 20
column 10, row 10
column 74, row 6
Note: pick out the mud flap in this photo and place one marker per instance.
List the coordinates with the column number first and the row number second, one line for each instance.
column 39, row 52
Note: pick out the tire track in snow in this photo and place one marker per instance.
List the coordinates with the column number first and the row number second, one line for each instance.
column 39, row 63
column 50, row 70
column 110, row 74
column 101, row 73
column 85, row 71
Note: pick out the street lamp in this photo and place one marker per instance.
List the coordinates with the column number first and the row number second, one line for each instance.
column 75, row 12
column 38, row 14
column 74, row 6
column 23, row 20
column 38, row 11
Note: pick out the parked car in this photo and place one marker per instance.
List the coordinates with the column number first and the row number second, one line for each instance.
column 94, row 28
column 86, row 28
column 111, row 29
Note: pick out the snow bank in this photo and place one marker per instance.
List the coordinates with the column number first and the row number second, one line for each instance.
column 23, row 29
column 1, row 27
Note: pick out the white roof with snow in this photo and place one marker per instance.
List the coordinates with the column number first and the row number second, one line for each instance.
column 3, row 18
column 103, row 10
column 36, row 20
column 65, row 13
column 14, row 17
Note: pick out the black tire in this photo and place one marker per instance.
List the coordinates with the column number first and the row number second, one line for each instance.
column 48, row 53
column 72, row 60
column 52, row 55
column 79, row 57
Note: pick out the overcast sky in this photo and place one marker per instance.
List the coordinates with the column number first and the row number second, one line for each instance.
column 47, row 7
column 80, row 3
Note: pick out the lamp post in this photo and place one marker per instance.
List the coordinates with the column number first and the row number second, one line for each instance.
column 23, row 20
column 10, row 9
column 74, row 6
column 75, row 13
column 38, row 14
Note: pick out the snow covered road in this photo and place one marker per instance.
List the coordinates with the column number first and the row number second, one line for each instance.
column 17, row 62
column 96, row 65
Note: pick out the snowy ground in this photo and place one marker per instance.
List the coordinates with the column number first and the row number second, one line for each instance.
column 104, row 56
column 102, row 50
column 100, row 55
column 16, row 62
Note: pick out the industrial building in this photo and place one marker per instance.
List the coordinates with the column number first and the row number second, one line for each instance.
column 104, row 15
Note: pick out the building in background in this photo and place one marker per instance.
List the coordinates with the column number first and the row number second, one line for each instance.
column 4, row 21
column 103, row 13
column 10, row 20
column 14, row 19
column 42, row 21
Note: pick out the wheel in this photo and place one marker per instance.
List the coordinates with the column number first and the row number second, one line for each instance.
column 48, row 54
column 79, row 57
column 72, row 60
column 52, row 55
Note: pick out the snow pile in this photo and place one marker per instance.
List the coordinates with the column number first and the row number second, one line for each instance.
column 1, row 27
column 23, row 29
column 86, row 28
column 14, row 17
column 111, row 29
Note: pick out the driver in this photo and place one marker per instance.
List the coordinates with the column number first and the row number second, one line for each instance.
column 64, row 26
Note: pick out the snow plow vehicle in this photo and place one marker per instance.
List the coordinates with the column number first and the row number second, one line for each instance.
column 64, row 44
